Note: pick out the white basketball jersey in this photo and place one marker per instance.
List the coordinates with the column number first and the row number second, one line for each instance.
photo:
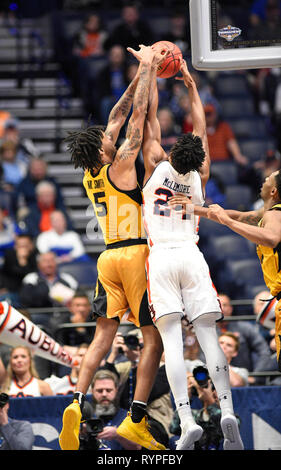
column 31, row 389
column 62, row 385
column 162, row 223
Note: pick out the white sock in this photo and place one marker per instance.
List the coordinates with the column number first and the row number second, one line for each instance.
column 170, row 329
column 205, row 330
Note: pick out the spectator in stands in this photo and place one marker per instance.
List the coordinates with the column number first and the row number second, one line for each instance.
column 89, row 41
column 46, row 287
column 25, row 194
column 15, row 434
column 169, row 130
column 215, row 191
column 178, row 33
column 105, row 406
column 111, row 81
column 80, row 311
column 25, row 148
column 4, row 116
column 253, row 348
column 38, row 219
column 229, row 343
column 19, row 261
column 265, row 19
column 265, row 314
column 14, row 170
column 21, row 378
column 221, row 139
column 66, row 244
column 66, row 385
column 131, row 31
column 258, row 11
column 6, row 196
column 7, row 232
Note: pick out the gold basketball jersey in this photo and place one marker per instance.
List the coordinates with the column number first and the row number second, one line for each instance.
column 118, row 212
column 270, row 259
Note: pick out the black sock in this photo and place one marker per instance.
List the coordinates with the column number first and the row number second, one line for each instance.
column 80, row 397
column 138, row 411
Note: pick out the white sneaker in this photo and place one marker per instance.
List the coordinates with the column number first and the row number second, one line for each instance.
column 188, row 437
column 230, row 429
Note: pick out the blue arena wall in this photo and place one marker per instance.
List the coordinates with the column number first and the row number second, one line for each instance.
column 259, row 409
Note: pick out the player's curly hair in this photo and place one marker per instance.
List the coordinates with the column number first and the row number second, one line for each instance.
column 187, row 154
column 84, row 147
column 278, row 183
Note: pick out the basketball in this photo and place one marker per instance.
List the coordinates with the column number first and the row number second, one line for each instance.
column 171, row 65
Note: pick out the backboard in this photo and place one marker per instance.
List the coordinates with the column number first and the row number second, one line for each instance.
column 222, row 40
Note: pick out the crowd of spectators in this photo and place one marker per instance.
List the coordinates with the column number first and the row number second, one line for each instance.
column 37, row 235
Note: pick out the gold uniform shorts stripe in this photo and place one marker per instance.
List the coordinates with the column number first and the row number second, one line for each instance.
column 278, row 332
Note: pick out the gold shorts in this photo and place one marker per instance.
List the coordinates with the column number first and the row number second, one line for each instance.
column 278, row 332
column 121, row 284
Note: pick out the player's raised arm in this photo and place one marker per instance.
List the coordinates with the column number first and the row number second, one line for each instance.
column 267, row 235
column 123, row 166
column 198, row 118
column 120, row 110
column 152, row 150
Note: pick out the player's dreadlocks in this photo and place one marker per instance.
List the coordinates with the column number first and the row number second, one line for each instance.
column 187, row 154
column 84, row 147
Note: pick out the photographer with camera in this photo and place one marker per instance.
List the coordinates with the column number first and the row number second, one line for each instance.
column 14, row 434
column 208, row 417
column 104, row 416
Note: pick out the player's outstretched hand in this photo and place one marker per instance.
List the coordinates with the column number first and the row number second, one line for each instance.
column 218, row 214
column 186, row 76
column 145, row 53
column 181, row 202
column 158, row 57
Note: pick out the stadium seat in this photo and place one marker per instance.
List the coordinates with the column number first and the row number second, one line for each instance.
column 208, row 228
column 256, row 149
column 252, row 291
column 231, row 84
column 236, row 276
column 238, row 197
column 85, row 272
column 227, row 172
column 236, row 107
column 248, row 128
column 230, row 247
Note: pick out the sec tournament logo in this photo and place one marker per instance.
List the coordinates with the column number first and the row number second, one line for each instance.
column 229, row 33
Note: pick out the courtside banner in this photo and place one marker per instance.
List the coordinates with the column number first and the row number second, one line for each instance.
column 17, row 330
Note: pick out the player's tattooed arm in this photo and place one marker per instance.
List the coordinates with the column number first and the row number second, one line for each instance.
column 250, row 217
column 120, row 111
column 123, row 106
column 134, row 134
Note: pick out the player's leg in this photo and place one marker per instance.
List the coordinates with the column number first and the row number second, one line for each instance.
column 134, row 427
column 205, row 330
column 101, row 344
column 170, row 329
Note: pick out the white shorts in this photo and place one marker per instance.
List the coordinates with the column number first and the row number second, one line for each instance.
column 178, row 280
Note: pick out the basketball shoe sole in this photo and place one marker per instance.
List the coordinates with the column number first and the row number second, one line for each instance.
column 69, row 436
column 230, row 429
column 188, row 437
